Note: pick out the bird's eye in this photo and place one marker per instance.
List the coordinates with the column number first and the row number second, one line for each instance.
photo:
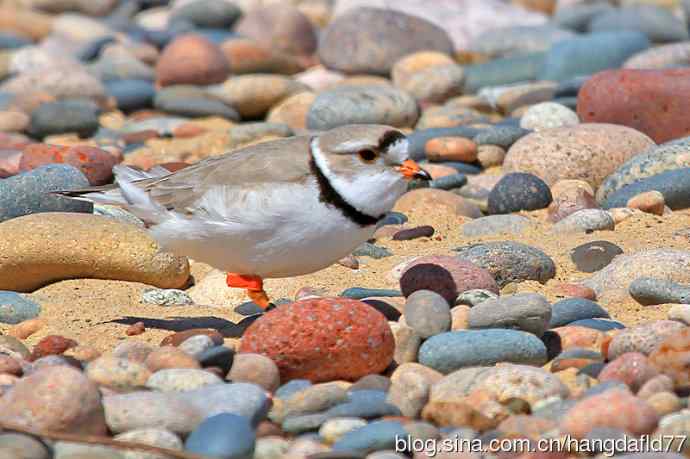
column 367, row 155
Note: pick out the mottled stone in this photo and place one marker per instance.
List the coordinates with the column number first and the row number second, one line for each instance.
column 572, row 309
column 595, row 255
column 528, row 312
column 642, row 338
column 647, row 290
column 672, row 185
column 548, row 115
column 632, row 368
column 518, row 191
column 585, row 221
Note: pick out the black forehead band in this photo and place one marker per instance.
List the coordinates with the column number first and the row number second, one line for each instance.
column 389, row 138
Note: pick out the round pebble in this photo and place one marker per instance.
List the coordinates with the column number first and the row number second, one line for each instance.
column 427, row 313
column 518, row 191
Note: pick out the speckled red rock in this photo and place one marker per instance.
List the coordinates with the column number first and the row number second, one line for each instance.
column 672, row 355
column 615, row 408
column 52, row 345
column 445, row 275
column 651, row 101
column 572, row 336
column 632, row 368
column 94, row 163
column 323, row 339
column 191, row 59
column 567, row 290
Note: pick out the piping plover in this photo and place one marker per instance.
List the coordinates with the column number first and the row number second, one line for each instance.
column 276, row 209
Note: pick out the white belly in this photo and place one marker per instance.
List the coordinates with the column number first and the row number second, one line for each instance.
column 283, row 231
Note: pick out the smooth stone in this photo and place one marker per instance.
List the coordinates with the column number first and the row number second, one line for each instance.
column 21, row 446
column 434, row 84
column 9, row 40
column 248, row 56
column 660, row 57
column 378, row 435
column 205, row 63
column 333, row 429
column 644, row 338
column 393, row 218
column 79, row 116
column 463, row 168
column 427, row 313
column 510, row 261
column 364, row 404
column 69, row 450
column 653, row 161
column 419, row 138
column 362, row 105
column 519, row 191
column 474, row 297
column 165, row 297
column 529, row 312
column 164, row 126
column 515, row 98
column 570, row 310
column 216, row 356
column 585, row 221
column 127, row 253
column 368, row 249
column 271, row 447
column 223, row 436
column 117, row 373
column 496, row 224
column 246, row 133
column 378, row 38
column 303, row 423
column 548, row 115
column 15, row 308
column 414, row 233
column 673, row 185
column 577, row 15
column 191, row 101
column 502, row 71
column 680, row 312
column 359, row 293
column 449, row 182
column 446, row 116
column 290, row 388
column 451, row 351
column 574, row 57
column 154, row 436
column 209, row 13
column 64, row 82
column 287, row 29
column 255, row 369
column 407, row 343
column 181, row 379
column 514, row 40
column 117, row 63
column 598, row 324
column 647, row 291
column 195, row 345
column 594, row 256
column 659, row 24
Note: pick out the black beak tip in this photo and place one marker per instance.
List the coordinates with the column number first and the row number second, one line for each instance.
column 423, row 175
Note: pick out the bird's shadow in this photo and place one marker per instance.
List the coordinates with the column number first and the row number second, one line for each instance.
column 176, row 324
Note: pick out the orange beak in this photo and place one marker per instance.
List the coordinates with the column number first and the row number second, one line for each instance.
column 411, row 170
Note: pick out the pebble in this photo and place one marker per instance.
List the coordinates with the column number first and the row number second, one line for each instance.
column 439, row 200
column 490, row 155
column 181, row 379
column 78, row 116
column 680, row 313
column 435, row 84
column 496, row 224
column 659, row 57
column 585, row 221
column 37, row 402
column 378, row 435
column 52, row 345
column 529, row 312
column 378, row 38
column 575, row 358
column 427, row 313
column 594, row 256
column 247, row 56
column 474, row 297
column 61, row 82
column 573, row 57
column 272, row 447
column 205, row 63
column 362, row 105
column 588, row 152
column 333, row 429
column 10, row 366
column 509, row 261
column 658, row 23
column 444, row 275
column 256, row 369
column 500, row 136
column 451, row 351
column 94, row 163
column 672, row 185
column 548, row 115
column 190, row 101
column 570, row 310
column 285, row 29
column 132, row 256
column 518, row 191
column 657, row 384
column 357, row 340
column 359, row 293
column 441, row 149
column 632, row 368
column 570, row 196
column 169, row 357
column 16, row 445
column 407, row 343
column 647, row 291
column 195, row 345
column 15, row 308
column 669, row 354
column 225, row 436
column 165, row 297
column 642, row 99
column 515, row 40
column 209, row 14
column 155, row 437
column 651, row 202
column 220, row 357
column 178, row 338
column 642, row 338
column 117, row 373
column 502, row 71
column 414, row 233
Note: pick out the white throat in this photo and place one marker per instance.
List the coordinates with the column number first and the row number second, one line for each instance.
column 372, row 194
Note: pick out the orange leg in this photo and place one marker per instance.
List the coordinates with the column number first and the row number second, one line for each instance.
column 254, row 286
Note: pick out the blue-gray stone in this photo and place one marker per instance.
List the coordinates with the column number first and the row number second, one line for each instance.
column 569, row 310
column 393, row 218
column 674, row 185
column 529, row 312
column 570, row 88
column 647, row 290
column 659, row 24
column 376, row 436
column 594, row 256
column 27, row 193
column 419, row 138
column 449, row 182
column 503, row 71
column 224, row 436
column 358, row 293
column 92, row 49
column 454, row 350
column 244, row 399
column 290, row 388
column 579, row 353
column 66, row 116
column 364, row 407
column 515, row 40
column 519, row 191
column 8, row 40
column 510, row 261
column 208, row 13
column 217, row 356
column 653, row 161
column 372, row 250
column 574, row 57
column 14, row 308
column 131, row 95
column 121, row 67
column 193, row 102
column 502, row 136
column 463, row 168
column 598, row 324
column 578, row 17
column 303, row 422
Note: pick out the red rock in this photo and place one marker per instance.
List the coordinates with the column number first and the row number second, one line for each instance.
column 575, row 336
column 322, row 339
column 632, row 368
column 56, row 398
column 177, row 338
column 10, row 366
column 135, row 329
column 445, row 275
column 614, row 408
column 94, row 163
column 566, row 290
column 191, row 59
column 9, row 162
column 671, row 357
column 651, row 101
column 52, row 345
column 451, row 149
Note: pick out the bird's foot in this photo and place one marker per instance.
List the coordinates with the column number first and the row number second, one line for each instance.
column 254, row 286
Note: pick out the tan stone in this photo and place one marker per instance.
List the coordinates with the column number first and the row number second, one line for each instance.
column 429, row 198
column 293, row 110
column 651, row 202
column 42, row 248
